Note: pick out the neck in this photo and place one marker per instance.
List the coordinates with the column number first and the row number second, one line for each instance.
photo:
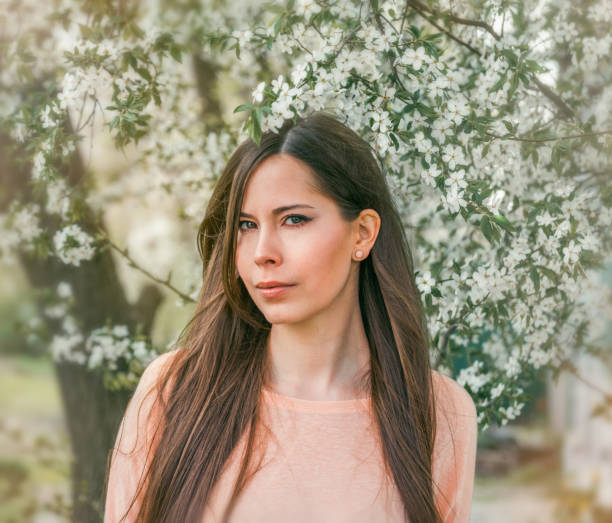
column 321, row 359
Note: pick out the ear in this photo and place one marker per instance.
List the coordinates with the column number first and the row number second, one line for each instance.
column 365, row 232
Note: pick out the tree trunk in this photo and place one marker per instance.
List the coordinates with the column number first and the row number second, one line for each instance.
column 92, row 412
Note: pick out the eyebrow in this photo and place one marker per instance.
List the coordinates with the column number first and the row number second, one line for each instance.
column 280, row 210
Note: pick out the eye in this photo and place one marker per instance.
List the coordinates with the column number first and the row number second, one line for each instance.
column 243, row 221
column 302, row 219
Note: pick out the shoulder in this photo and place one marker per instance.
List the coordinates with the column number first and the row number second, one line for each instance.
column 142, row 412
column 454, row 453
column 156, row 369
column 145, row 394
column 456, row 419
column 451, row 397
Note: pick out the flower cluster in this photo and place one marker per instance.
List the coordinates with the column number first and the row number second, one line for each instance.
column 73, row 245
column 106, row 347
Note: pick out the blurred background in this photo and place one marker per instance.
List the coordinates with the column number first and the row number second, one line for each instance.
column 553, row 463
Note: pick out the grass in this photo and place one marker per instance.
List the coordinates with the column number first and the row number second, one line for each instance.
column 28, row 387
column 34, row 451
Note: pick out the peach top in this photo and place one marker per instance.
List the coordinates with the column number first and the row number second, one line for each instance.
column 323, row 463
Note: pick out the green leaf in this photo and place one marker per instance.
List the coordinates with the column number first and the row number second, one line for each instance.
column 256, row 130
column 144, row 73
column 549, row 273
column 257, row 114
column 498, row 85
column 156, row 96
column 532, row 65
column 503, row 222
column 487, row 230
column 136, row 31
column 556, row 157
column 485, row 149
column 243, row 107
column 394, row 140
column 533, row 274
column 513, row 85
column 176, row 53
column 428, row 300
column 425, row 110
column 512, row 58
column 278, row 25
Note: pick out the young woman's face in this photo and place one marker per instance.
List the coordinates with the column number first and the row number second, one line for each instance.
column 307, row 247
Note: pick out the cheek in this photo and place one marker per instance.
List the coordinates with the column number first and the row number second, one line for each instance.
column 324, row 257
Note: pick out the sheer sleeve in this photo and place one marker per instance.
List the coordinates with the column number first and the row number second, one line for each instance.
column 133, row 449
column 454, row 459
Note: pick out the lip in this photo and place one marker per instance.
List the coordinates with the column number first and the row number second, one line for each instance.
column 271, row 283
column 277, row 290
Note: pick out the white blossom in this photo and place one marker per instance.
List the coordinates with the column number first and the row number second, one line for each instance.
column 73, row 245
column 64, row 290
column 456, row 180
column 63, row 348
column 571, row 253
column 453, row 201
column 26, row 223
column 472, row 377
column 120, row 331
column 453, row 155
column 425, row 282
column 307, row 8
column 258, row 93
column 497, row 390
column 415, row 58
column 429, row 175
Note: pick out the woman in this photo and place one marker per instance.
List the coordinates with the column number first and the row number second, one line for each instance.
column 302, row 390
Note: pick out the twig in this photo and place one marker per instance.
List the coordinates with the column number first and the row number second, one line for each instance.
column 571, row 368
column 132, row 263
column 390, row 59
column 445, row 31
column 568, row 137
column 421, row 9
column 550, row 94
column 463, row 21
column 453, row 326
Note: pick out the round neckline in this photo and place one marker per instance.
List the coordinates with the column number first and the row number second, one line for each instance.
column 292, row 403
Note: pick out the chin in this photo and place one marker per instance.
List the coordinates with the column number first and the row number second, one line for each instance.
column 281, row 317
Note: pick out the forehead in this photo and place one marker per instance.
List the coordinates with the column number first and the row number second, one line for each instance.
column 278, row 178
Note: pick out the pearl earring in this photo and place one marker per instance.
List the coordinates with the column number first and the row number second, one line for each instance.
column 359, row 254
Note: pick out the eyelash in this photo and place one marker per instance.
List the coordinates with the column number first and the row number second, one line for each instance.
column 303, row 218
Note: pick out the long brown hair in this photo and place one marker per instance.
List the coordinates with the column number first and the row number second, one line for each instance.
column 219, row 370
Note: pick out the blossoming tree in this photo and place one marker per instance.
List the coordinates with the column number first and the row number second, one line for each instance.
column 491, row 118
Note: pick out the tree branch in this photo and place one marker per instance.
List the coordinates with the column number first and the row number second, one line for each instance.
column 463, row 21
column 422, row 9
column 445, row 31
column 568, row 137
column 393, row 68
column 134, row 264
column 571, row 368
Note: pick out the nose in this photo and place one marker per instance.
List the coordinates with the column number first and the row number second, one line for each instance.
column 267, row 249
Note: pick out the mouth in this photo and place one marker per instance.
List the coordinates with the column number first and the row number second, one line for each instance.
column 277, row 290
